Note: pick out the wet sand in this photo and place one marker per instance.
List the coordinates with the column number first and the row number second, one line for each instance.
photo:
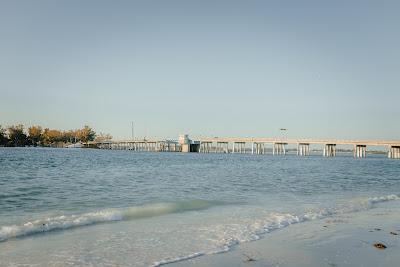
column 344, row 240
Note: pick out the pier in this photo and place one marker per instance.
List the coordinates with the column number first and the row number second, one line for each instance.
column 139, row 145
column 251, row 146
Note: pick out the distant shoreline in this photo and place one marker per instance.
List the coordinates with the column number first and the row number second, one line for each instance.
column 65, row 145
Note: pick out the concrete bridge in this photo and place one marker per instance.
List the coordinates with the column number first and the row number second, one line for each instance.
column 153, row 145
column 251, row 145
column 257, row 145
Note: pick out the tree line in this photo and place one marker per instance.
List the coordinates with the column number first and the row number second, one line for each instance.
column 17, row 136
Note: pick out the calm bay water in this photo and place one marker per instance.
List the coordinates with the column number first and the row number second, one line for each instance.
column 218, row 200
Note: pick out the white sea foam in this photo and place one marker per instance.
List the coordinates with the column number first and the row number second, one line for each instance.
column 225, row 235
column 177, row 259
column 383, row 199
column 71, row 221
column 274, row 221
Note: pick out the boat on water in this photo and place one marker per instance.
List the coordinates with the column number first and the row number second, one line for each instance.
column 76, row 145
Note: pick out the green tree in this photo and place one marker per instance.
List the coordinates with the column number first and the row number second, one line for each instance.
column 51, row 136
column 68, row 136
column 35, row 134
column 86, row 134
column 17, row 136
column 3, row 137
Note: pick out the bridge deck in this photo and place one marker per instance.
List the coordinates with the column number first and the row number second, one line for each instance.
column 301, row 141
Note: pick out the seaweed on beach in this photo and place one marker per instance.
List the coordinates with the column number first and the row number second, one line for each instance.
column 380, row 246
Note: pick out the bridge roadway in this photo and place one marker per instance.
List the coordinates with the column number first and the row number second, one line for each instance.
column 303, row 145
column 138, row 145
column 300, row 141
column 240, row 145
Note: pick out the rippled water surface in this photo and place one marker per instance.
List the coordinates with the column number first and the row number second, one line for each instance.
column 42, row 190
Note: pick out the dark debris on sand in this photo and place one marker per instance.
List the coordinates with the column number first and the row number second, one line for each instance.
column 380, row 245
column 248, row 258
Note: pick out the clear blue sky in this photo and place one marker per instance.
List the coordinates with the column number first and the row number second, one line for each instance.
column 220, row 68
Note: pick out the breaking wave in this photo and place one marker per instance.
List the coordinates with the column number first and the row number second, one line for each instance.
column 275, row 221
column 71, row 221
column 227, row 236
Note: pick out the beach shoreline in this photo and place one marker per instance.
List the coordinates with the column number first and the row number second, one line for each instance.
column 106, row 208
column 342, row 240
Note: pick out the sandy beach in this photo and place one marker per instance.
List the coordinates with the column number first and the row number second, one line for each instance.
column 345, row 240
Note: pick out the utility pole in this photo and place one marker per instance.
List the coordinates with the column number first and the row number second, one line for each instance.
column 145, row 131
column 283, row 131
column 133, row 132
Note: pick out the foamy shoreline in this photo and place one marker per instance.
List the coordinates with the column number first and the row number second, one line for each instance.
column 341, row 240
column 316, row 237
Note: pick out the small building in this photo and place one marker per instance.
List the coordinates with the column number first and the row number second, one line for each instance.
column 188, row 145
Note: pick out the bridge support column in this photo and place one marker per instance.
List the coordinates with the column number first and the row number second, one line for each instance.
column 360, row 151
column 205, row 147
column 303, row 149
column 279, row 149
column 330, row 150
column 239, row 147
column 394, row 152
column 243, row 147
column 157, row 146
column 260, row 148
column 222, row 147
column 162, row 146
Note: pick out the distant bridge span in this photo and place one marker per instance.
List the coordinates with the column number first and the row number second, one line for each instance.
column 257, row 145
column 302, row 140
